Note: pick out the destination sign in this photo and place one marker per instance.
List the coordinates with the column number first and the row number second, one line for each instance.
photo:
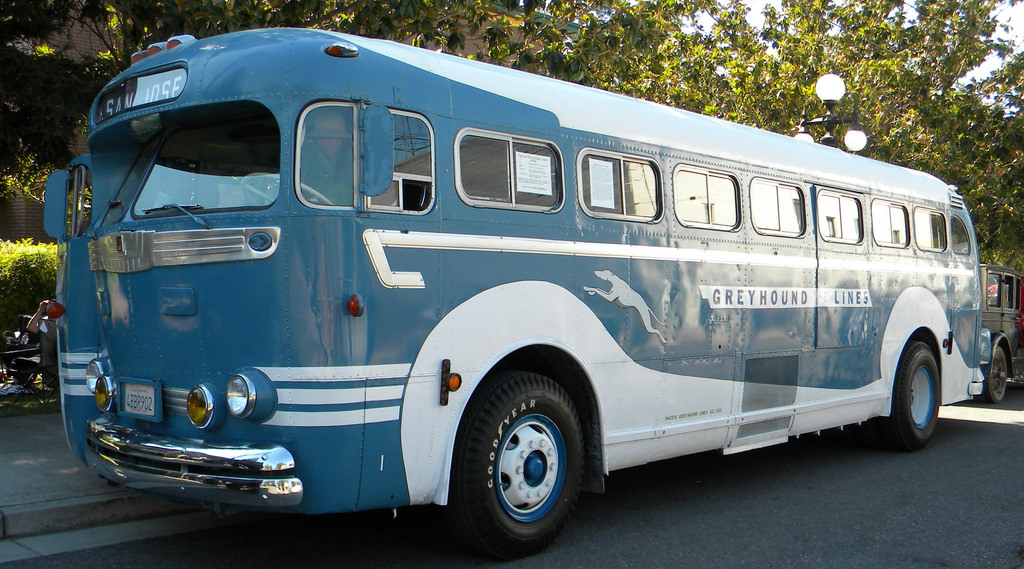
column 141, row 91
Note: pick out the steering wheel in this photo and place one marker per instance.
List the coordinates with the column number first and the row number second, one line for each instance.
column 312, row 196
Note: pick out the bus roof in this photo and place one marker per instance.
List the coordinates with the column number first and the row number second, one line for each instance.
column 593, row 110
column 590, row 110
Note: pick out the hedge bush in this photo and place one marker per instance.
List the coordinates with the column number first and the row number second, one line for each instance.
column 28, row 276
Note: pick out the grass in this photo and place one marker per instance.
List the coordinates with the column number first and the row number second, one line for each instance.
column 28, row 405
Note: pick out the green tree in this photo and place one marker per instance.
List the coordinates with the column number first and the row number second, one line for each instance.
column 908, row 71
column 907, row 65
column 44, row 95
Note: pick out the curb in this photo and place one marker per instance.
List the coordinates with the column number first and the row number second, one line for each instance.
column 81, row 512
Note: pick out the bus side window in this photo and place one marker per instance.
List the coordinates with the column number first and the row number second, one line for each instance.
column 620, row 187
column 706, row 199
column 79, row 206
column 412, row 189
column 960, row 236
column 496, row 170
column 326, row 161
column 776, row 208
column 889, row 224
column 839, row 218
column 930, row 230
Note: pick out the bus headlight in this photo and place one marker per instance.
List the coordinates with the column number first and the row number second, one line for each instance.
column 241, row 396
column 93, row 372
column 251, row 395
column 200, row 406
column 105, row 393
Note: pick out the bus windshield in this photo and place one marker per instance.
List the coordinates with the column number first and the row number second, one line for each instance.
column 225, row 165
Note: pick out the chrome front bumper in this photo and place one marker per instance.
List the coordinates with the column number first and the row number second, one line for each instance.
column 251, row 475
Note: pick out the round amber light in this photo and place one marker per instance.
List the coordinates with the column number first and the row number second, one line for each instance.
column 200, row 406
column 105, row 394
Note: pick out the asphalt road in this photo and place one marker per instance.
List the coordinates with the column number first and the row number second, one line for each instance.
column 816, row 502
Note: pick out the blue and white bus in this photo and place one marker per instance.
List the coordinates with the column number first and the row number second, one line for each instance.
column 311, row 272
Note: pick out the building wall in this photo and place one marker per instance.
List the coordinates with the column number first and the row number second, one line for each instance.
column 21, row 218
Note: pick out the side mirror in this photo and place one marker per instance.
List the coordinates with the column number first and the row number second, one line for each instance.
column 376, row 156
column 55, row 204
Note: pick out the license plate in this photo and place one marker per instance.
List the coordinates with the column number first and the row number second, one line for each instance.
column 140, row 399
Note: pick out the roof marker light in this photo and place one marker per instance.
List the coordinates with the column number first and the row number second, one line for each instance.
column 156, row 48
column 175, row 41
column 342, row 48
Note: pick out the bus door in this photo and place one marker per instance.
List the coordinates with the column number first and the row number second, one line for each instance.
column 776, row 298
column 964, row 296
column 67, row 217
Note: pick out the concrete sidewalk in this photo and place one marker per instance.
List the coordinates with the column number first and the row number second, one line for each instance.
column 45, row 489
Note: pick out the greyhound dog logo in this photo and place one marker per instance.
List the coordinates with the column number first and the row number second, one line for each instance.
column 624, row 296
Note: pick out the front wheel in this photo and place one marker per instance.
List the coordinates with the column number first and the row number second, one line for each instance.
column 517, row 466
column 995, row 383
column 915, row 400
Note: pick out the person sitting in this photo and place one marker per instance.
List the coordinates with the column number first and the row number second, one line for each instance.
column 325, row 171
column 40, row 320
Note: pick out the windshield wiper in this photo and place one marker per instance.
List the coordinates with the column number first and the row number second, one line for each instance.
column 183, row 209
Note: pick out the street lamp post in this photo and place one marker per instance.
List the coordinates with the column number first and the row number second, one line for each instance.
column 830, row 89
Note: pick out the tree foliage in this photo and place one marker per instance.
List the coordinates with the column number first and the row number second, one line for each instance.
column 908, row 68
column 44, row 94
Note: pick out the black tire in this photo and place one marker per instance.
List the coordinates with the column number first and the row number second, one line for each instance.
column 488, row 509
column 995, row 384
column 915, row 400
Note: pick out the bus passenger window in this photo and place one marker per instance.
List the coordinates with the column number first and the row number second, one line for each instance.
column 412, row 187
column 484, row 170
column 960, row 236
column 616, row 186
column 930, row 230
column 839, row 218
column 889, row 224
column 535, row 175
column 503, row 171
column 776, row 208
column 326, row 172
column 703, row 198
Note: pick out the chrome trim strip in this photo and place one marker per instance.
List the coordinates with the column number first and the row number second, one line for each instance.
column 255, row 474
column 135, row 251
column 175, row 401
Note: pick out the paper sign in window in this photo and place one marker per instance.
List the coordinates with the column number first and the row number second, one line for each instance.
column 533, row 174
column 602, row 184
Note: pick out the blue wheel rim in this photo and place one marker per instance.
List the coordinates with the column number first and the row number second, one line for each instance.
column 922, row 397
column 530, row 468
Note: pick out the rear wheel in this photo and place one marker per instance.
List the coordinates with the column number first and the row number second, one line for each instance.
column 915, row 400
column 995, row 383
column 517, row 466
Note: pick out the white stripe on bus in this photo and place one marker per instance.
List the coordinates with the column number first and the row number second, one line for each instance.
column 334, row 418
column 378, row 240
column 338, row 373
